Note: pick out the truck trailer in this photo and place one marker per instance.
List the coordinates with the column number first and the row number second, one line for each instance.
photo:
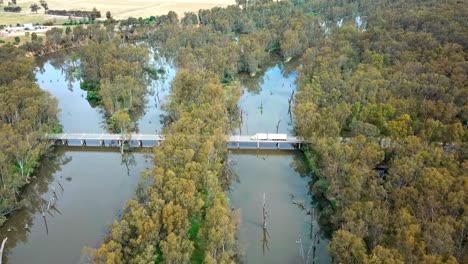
column 268, row 136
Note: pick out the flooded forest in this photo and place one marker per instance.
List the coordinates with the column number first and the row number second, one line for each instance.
column 376, row 92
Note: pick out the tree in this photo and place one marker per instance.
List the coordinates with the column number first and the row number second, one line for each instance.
column 173, row 18
column 176, row 249
column 26, row 112
column 123, row 124
column 17, row 40
column 382, row 255
column 190, row 19
column 347, row 248
column 122, row 121
column 34, row 7
column 54, row 37
column 44, row 5
column 401, row 127
column 108, row 15
column 34, row 36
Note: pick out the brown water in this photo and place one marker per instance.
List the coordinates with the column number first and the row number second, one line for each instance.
column 91, row 189
column 281, row 175
column 96, row 184
column 282, row 178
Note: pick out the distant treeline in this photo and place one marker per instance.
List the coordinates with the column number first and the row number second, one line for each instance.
column 15, row 9
column 75, row 13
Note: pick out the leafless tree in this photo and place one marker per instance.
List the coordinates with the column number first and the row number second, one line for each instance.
column 266, row 235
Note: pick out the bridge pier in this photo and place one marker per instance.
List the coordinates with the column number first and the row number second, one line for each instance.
column 158, row 143
column 64, row 142
column 258, row 144
column 102, row 143
column 83, row 142
column 238, row 145
column 278, row 145
column 119, row 142
column 140, row 143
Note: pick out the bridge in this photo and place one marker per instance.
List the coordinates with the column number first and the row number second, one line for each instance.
column 151, row 140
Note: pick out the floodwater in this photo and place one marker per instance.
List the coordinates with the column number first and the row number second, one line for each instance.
column 280, row 175
column 78, row 116
column 265, row 100
column 282, row 178
column 91, row 188
column 92, row 185
column 96, row 184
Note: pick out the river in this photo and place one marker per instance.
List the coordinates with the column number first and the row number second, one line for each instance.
column 92, row 185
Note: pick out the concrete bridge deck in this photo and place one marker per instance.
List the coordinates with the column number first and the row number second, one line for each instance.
column 150, row 140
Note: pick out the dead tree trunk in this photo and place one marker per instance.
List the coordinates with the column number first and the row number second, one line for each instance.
column 301, row 249
column 290, row 101
column 45, row 219
column 277, row 126
column 241, row 113
column 1, row 249
column 266, row 235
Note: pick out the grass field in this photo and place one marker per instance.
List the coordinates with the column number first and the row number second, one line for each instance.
column 119, row 9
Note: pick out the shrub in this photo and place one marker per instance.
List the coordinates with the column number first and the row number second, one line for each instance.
column 33, row 46
column 93, row 97
column 89, row 86
column 75, row 13
column 14, row 9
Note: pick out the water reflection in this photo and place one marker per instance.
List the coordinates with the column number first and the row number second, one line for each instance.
column 19, row 226
column 90, row 188
column 291, row 225
column 151, row 121
column 264, row 104
column 59, row 74
column 67, row 63
column 76, row 115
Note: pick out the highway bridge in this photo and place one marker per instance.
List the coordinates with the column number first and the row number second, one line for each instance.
column 151, row 140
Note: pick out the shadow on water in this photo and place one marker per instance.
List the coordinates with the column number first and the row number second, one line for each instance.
column 20, row 223
column 77, row 194
column 254, row 84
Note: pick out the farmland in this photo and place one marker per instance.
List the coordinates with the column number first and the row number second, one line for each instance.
column 120, row 9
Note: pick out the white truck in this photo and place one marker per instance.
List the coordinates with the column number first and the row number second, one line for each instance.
column 268, row 136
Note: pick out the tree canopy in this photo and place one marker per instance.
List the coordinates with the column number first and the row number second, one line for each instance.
column 26, row 114
column 396, row 90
